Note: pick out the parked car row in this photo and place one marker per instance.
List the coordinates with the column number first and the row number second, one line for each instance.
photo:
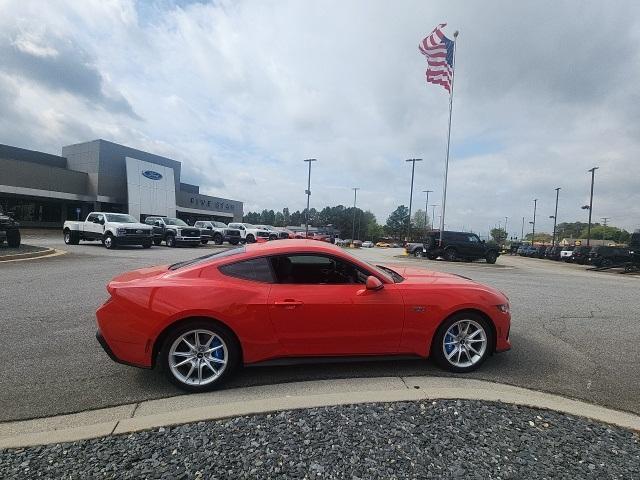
column 598, row 256
column 114, row 229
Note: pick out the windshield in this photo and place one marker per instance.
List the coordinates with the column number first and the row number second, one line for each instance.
column 248, row 225
column 194, row 261
column 219, row 224
column 120, row 218
column 175, row 221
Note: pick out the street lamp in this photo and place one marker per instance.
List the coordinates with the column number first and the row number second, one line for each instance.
column 413, row 168
column 308, row 192
column 590, row 208
column 433, row 213
column 533, row 234
column 555, row 217
column 426, row 206
column 355, row 196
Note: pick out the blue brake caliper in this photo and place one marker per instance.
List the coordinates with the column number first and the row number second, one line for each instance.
column 447, row 340
column 219, row 354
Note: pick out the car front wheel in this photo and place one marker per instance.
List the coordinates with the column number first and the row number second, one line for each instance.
column 170, row 241
column 199, row 355
column 417, row 253
column 491, row 257
column 109, row 241
column 462, row 343
column 450, row 255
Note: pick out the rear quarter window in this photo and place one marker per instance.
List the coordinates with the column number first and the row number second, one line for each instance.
column 254, row 269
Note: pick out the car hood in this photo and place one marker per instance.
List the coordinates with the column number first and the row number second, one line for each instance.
column 420, row 275
column 130, row 225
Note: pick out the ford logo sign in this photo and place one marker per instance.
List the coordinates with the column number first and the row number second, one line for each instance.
column 150, row 174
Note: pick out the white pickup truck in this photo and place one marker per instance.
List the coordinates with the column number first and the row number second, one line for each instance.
column 112, row 229
column 250, row 233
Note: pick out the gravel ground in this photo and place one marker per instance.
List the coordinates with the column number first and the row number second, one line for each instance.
column 439, row 439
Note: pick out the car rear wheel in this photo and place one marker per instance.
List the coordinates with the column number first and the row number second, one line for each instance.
column 157, row 241
column 199, row 355
column 450, row 255
column 109, row 241
column 71, row 238
column 13, row 238
column 170, row 240
column 418, row 253
column 462, row 343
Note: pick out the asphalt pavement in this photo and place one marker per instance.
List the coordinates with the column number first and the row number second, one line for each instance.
column 574, row 333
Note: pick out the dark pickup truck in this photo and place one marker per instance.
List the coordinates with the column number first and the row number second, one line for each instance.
column 9, row 230
column 455, row 246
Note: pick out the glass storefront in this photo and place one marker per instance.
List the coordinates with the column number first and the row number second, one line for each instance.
column 32, row 212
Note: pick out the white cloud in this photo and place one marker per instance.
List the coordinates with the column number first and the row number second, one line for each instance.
column 242, row 91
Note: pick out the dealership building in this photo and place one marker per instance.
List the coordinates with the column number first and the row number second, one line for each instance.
column 44, row 190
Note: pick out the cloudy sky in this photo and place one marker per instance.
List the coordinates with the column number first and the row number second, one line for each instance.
column 242, row 91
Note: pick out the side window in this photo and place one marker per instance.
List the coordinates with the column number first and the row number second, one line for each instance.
column 101, row 218
column 149, row 221
column 255, row 269
column 474, row 239
column 92, row 217
column 316, row 270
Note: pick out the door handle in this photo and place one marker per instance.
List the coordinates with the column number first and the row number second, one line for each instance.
column 288, row 303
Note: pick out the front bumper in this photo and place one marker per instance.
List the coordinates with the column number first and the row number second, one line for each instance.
column 134, row 239
column 188, row 240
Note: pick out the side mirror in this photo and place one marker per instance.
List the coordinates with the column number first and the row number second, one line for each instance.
column 101, row 221
column 373, row 283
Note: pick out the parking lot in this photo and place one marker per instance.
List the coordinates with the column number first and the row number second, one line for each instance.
column 574, row 332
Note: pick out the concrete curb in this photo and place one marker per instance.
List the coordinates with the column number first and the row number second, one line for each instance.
column 48, row 252
column 300, row 395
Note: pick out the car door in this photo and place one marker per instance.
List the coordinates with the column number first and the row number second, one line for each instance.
column 475, row 246
column 320, row 306
column 94, row 227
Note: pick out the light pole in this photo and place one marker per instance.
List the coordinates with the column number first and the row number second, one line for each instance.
column 355, row 196
column 433, row 213
column 590, row 206
column 522, row 233
column 506, row 232
column 308, row 192
column 413, row 168
column 426, row 206
column 555, row 218
column 533, row 234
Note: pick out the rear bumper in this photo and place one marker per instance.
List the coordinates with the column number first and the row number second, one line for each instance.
column 105, row 346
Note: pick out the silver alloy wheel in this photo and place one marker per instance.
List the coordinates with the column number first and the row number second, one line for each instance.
column 67, row 237
column 464, row 343
column 198, row 357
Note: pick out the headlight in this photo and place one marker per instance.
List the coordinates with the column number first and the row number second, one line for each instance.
column 504, row 308
column 121, row 231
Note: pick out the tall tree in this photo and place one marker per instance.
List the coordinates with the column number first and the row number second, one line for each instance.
column 499, row 235
column 397, row 221
column 418, row 222
column 287, row 216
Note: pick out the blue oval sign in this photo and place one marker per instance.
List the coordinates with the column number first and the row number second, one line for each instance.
column 150, row 174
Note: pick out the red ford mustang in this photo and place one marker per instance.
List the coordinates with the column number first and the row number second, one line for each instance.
column 202, row 318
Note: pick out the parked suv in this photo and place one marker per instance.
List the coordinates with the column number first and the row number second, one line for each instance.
column 459, row 245
column 581, row 254
column 173, row 231
column 217, row 232
column 9, row 230
column 250, row 233
column 607, row 256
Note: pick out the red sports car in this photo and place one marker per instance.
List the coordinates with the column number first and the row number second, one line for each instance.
column 201, row 318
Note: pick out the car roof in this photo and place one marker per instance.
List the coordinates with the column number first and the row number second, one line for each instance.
column 292, row 246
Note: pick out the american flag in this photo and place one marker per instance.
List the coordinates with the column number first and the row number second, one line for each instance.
column 439, row 52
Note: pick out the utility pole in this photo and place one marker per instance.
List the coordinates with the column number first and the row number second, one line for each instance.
column 426, row 206
column 433, row 213
column 413, row 168
column 590, row 207
column 308, row 192
column 506, row 232
column 355, row 196
column 522, row 233
column 555, row 218
column 604, row 227
column 533, row 234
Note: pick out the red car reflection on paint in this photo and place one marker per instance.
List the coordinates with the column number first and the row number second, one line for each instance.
column 202, row 318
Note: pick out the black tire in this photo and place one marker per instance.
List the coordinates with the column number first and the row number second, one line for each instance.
column 170, row 240
column 438, row 348
column 432, row 256
column 251, row 239
column 109, row 241
column 204, row 241
column 234, row 242
column 157, row 241
column 147, row 244
column 13, row 238
column 233, row 353
column 71, row 238
column 418, row 252
column 491, row 257
column 217, row 239
column 450, row 255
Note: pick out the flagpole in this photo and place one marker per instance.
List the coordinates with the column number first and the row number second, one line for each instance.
column 446, row 164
